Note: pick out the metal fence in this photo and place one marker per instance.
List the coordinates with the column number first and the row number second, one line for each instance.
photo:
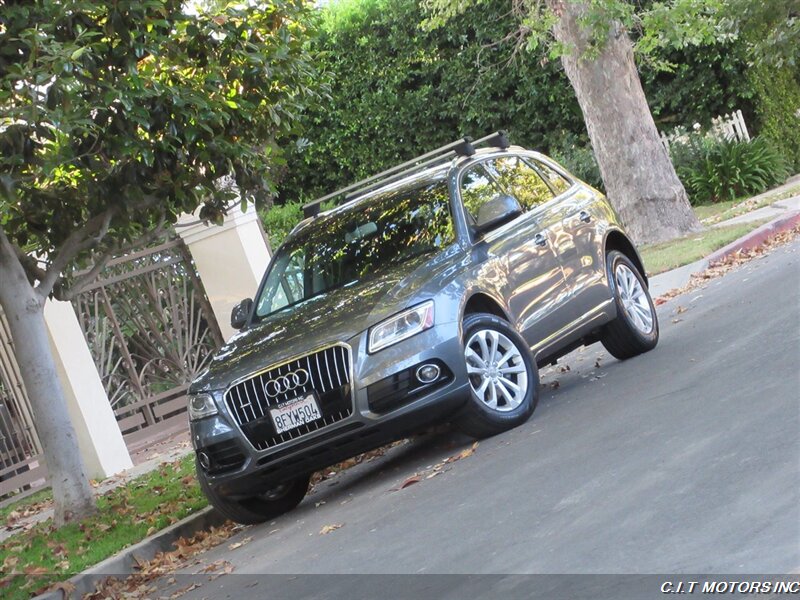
column 21, row 461
column 151, row 330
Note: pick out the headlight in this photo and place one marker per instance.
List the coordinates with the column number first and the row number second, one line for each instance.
column 401, row 326
column 201, row 405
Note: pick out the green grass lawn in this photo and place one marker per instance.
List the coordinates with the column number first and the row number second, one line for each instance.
column 676, row 253
column 43, row 555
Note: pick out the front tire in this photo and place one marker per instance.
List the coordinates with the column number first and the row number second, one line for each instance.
column 258, row 509
column 503, row 377
column 635, row 330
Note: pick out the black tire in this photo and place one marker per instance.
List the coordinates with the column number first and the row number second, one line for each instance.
column 622, row 337
column 258, row 509
column 477, row 419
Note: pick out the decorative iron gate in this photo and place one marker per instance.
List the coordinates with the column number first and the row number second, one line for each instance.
column 21, row 460
column 150, row 329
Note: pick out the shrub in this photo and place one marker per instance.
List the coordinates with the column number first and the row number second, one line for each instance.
column 278, row 221
column 577, row 156
column 398, row 90
column 778, row 109
column 717, row 169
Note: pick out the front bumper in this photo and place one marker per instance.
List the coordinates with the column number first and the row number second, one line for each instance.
column 242, row 470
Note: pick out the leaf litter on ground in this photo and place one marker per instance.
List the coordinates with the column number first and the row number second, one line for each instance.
column 730, row 262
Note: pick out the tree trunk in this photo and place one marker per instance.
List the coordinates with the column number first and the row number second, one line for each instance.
column 24, row 310
column 638, row 174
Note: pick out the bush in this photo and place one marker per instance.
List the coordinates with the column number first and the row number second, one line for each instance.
column 278, row 221
column 777, row 108
column 577, row 156
column 717, row 169
column 399, row 89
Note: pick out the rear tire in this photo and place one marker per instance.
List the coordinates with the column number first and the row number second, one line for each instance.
column 258, row 509
column 503, row 377
column 635, row 330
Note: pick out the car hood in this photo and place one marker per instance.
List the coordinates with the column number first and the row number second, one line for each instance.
column 338, row 315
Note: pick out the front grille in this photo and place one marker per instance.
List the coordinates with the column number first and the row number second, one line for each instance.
column 328, row 378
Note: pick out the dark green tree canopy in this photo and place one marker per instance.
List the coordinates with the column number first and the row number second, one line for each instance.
column 399, row 88
column 118, row 116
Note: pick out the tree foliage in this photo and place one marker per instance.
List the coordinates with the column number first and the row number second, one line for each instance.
column 400, row 87
column 117, row 117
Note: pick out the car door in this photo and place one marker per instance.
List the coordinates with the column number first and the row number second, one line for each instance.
column 534, row 275
column 578, row 250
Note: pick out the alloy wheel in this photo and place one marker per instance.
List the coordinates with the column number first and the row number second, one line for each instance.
column 634, row 298
column 496, row 370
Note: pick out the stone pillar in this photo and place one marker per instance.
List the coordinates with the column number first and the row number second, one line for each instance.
column 231, row 259
column 99, row 438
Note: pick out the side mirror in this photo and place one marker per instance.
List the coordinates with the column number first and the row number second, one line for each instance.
column 500, row 209
column 241, row 312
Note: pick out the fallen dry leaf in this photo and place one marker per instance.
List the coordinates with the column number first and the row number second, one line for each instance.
column 410, row 481
column 66, row 587
column 236, row 545
column 720, row 268
column 328, row 528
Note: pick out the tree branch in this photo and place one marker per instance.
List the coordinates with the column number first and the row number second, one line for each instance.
column 30, row 264
column 89, row 234
column 83, row 238
column 76, row 286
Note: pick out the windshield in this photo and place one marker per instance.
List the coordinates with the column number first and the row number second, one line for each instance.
column 358, row 244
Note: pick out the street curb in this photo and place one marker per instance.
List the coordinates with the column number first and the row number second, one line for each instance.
column 124, row 561
column 757, row 236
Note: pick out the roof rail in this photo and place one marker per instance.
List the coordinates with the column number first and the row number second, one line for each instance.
column 463, row 147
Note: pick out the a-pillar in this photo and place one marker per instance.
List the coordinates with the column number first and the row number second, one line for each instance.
column 230, row 258
column 99, row 438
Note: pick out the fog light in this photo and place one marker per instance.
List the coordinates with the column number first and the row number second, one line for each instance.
column 428, row 373
column 204, row 460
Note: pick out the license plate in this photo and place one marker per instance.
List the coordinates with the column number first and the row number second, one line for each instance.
column 295, row 413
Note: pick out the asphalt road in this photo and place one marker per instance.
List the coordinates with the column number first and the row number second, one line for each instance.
column 684, row 460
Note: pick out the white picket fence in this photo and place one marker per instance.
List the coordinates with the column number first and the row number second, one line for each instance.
column 729, row 127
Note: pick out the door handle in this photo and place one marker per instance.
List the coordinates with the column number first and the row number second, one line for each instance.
column 584, row 216
column 540, row 239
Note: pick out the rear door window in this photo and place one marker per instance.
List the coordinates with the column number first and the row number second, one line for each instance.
column 518, row 179
column 557, row 181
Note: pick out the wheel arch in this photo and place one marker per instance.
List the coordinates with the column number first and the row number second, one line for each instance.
column 616, row 240
column 482, row 302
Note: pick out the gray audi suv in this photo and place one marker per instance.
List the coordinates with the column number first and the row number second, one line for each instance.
column 432, row 291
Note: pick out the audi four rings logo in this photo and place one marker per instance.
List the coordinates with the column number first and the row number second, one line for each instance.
column 285, row 383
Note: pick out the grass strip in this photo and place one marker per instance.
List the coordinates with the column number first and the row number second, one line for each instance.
column 683, row 251
column 34, row 559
